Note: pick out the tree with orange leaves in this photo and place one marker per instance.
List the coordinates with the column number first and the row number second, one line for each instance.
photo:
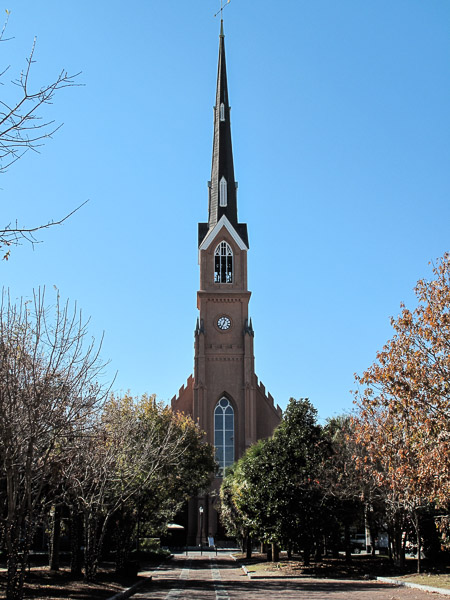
column 404, row 402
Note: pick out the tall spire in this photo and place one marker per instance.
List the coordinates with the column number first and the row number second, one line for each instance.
column 223, row 186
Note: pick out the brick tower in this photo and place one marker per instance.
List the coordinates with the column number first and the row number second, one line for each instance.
column 224, row 395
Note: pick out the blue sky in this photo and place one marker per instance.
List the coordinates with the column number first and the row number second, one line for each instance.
column 341, row 135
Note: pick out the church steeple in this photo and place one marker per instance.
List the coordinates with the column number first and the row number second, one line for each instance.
column 224, row 394
column 222, row 187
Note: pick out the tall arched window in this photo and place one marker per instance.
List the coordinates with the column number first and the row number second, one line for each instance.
column 222, row 111
column 223, row 192
column 223, row 264
column 224, row 434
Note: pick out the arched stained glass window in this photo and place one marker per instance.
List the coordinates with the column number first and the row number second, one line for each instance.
column 224, row 434
column 223, row 263
column 223, row 192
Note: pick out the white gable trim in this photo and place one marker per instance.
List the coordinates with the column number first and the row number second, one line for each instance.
column 223, row 222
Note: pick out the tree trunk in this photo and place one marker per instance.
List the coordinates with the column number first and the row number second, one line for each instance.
column 14, row 585
column 249, row 547
column 372, row 526
column 123, row 542
column 17, row 542
column 76, row 556
column 91, row 550
column 269, row 553
column 275, row 552
column 94, row 534
column 403, row 553
column 90, row 558
column 398, row 542
column 54, row 538
column 418, row 540
column 348, row 548
column 319, row 548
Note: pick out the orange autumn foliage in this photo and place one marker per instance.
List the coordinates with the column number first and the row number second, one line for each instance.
column 403, row 420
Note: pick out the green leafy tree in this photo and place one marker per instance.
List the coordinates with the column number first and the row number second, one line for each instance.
column 300, row 448
column 142, row 459
column 238, row 510
column 275, row 489
column 345, row 494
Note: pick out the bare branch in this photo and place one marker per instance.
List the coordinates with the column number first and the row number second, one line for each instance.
column 20, row 126
column 14, row 236
column 23, row 129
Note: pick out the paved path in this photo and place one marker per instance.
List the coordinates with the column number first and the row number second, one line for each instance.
column 209, row 577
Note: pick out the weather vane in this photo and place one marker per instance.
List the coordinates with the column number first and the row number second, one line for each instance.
column 221, row 8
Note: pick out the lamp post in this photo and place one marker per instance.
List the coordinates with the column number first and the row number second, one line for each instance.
column 200, row 510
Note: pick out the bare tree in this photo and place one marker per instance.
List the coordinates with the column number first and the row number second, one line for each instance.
column 22, row 128
column 49, row 386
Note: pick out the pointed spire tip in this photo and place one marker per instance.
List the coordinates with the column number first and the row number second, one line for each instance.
column 221, row 28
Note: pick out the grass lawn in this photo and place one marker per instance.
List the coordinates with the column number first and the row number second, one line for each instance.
column 439, row 580
column 362, row 567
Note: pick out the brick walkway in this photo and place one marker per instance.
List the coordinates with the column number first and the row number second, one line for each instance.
column 209, row 577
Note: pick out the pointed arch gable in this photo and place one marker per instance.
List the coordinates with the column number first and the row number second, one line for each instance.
column 214, row 233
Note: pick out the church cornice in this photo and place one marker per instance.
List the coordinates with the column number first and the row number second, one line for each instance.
column 224, row 358
column 231, row 296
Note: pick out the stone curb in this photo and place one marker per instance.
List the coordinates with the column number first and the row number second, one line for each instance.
column 243, row 567
column 246, row 571
column 417, row 586
column 131, row 590
column 252, row 575
column 146, row 578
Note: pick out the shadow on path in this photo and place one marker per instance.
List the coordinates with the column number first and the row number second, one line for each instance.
column 238, row 585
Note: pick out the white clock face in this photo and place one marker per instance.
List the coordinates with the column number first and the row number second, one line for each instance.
column 224, row 323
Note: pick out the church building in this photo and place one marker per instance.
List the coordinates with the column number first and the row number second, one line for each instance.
column 223, row 395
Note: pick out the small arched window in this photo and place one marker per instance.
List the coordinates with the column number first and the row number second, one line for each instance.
column 224, row 434
column 223, row 192
column 223, row 263
column 222, row 112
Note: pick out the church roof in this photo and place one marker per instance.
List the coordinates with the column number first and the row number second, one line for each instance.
column 222, row 187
